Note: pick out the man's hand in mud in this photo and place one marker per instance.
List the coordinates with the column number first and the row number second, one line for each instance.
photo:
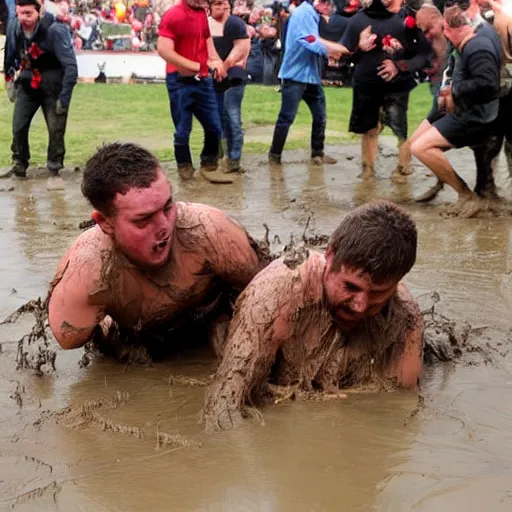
column 387, row 70
column 219, row 70
column 367, row 39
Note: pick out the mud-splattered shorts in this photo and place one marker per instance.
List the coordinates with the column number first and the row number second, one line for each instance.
column 369, row 106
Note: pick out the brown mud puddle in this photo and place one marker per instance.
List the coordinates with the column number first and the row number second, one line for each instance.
column 126, row 438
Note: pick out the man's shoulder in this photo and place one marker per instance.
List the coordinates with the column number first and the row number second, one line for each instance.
column 298, row 265
column 296, row 276
column 407, row 304
column 196, row 214
column 235, row 22
column 175, row 13
column 483, row 41
column 88, row 252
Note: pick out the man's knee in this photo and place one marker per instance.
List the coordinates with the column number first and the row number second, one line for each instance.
column 418, row 147
column 373, row 133
column 285, row 118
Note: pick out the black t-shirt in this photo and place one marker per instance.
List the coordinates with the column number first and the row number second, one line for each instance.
column 234, row 29
column 334, row 29
column 367, row 63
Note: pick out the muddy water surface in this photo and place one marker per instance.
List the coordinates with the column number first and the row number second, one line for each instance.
column 115, row 438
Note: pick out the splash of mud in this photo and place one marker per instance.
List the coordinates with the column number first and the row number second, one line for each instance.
column 34, row 349
column 444, row 341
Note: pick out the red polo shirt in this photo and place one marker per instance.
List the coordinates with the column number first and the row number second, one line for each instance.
column 189, row 30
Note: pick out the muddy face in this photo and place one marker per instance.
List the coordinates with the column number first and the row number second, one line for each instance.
column 143, row 223
column 351, row 295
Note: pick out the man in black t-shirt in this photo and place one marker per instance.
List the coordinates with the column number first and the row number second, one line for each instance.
column 471, row 102
column 233, row 45
column 383, row 77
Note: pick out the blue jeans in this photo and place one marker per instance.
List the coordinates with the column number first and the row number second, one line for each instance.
column 292, row 93
column 229, row 104
column 190, row 98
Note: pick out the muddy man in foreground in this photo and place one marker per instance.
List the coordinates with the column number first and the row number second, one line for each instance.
column 331, row 322
column 152, row 272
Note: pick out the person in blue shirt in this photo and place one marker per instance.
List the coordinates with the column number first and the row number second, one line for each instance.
column 301, row 77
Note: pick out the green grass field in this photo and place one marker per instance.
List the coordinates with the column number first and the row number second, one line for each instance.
column 140, row 113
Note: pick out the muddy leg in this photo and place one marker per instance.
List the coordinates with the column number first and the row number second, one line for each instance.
column 404, row 167
column 369, row 149
column 485, row 155
column 429, row 149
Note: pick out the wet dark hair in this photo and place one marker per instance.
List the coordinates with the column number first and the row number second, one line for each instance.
column 379, row 238
column 114, row 169
column 23, row 3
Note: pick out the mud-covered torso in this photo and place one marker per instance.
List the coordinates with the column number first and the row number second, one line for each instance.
column 320, row 356
column 185, row 289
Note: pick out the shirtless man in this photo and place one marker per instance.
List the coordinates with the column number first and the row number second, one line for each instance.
column 331, row 322
column 151, row 264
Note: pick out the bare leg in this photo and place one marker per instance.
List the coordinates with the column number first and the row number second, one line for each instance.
column 404, row 167
column 429, row 149
column 369, row 149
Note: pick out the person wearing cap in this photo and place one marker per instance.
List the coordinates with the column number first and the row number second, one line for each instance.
column 41, row 66
column 233, row 45
column 185, row 43
column 300, row 74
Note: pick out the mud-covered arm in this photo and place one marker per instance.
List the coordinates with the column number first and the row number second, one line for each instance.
column 407, row 357
column 71, row 314
column 230, row 252
column 261, row 323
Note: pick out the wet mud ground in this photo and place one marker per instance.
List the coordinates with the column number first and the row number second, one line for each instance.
column 125, row 438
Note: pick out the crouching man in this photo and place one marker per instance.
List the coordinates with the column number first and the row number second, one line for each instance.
column 153, row 272
column 329, row 323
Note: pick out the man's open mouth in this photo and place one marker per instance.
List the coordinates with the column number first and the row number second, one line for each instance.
column 160, row 246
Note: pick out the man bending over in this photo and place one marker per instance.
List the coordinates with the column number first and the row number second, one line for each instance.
column 152, row 268
column 331, row 322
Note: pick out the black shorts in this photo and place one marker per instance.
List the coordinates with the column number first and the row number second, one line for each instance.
column 460, row 133
column 369, row 106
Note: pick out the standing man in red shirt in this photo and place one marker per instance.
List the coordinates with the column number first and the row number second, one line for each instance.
column 186, row 45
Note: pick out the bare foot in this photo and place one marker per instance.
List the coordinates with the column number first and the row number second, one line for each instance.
column 398, row 178
column 368, row 173
column 467, row 206
column 431, row 193
column 405, row 170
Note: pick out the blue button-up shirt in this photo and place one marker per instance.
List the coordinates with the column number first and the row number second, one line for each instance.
column 303, row 50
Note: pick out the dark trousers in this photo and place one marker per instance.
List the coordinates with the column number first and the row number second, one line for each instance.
column 229, row 104
column 291, row 95
column 27, row 104
column 190, row 98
